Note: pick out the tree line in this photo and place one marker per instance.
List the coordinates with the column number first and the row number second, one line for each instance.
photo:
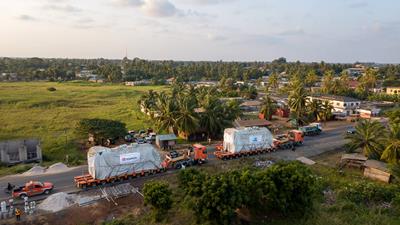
column 158, row 71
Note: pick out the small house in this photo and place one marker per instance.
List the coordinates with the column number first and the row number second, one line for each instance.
column 353, row 160
column 166, row 141
column 20, row 151
column 377, row 170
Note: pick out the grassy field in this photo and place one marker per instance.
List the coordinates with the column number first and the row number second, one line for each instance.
column 29, row 110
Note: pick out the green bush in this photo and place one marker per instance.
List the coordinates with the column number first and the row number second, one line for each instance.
column 366, row 192
column 284, row 187
column 158, row 195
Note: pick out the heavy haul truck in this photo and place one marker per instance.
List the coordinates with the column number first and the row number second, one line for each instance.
column 253, row 141
column 107, row 166
column 311, row 129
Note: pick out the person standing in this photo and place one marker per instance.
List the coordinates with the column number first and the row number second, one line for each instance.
column 18, row 214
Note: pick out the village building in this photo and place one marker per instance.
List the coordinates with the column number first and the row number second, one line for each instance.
column 342, row 105
column 393, row 90
column 251, row 106
column 20, row 151
column 166, row 141
column 138, row 83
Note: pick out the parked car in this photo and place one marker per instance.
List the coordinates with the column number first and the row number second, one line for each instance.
column 351, row 130
column 128, row 138
column 140, row 140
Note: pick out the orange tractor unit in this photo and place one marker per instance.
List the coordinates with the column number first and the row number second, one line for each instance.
column 289, row 140
column 195, row 155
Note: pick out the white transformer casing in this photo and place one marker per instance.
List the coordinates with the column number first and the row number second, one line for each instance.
column 247, row 139
column 106, row 162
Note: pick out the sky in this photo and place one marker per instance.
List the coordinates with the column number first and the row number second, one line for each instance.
column 231, row 30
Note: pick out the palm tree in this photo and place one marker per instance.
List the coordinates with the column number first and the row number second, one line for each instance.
column 273, row 81
column 391, row 153
column 315, row 109
column 298, row 102
column 167, row 109
column 326, row 112
column 213, row 119
column 327, row 82
column 311, row 78
column 148, row 102
column 268, row 107
column 368, row 137
column 186, row 120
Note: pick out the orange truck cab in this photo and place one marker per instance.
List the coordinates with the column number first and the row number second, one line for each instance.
column 296, row 136
column 200, row 152
column 196, row 154
column 32, row 188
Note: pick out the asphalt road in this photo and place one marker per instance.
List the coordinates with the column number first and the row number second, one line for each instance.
column 329, row 140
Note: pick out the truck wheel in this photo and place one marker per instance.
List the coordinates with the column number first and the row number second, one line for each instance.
column 46, row 192
column 22, row 196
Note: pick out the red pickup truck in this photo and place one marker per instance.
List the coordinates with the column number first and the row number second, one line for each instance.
column 32, row 188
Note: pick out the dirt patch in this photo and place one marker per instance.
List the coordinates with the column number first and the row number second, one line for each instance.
column 57, row 168
column 36, row 170
column 92, row 214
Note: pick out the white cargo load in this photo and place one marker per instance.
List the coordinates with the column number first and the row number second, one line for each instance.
column 247, row 139
column 108, row 162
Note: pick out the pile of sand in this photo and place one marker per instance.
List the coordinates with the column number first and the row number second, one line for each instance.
column 57, row 202
column 36, row 170
column 57, row 168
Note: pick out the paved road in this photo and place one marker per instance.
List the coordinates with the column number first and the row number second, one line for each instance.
column 329, row 140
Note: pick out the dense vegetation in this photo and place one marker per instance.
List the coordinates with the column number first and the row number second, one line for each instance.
column 159, row 71
column 190, row 112
column 286, row 193
column 379, row 142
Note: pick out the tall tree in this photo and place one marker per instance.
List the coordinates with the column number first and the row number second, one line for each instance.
column 311, row 78
column 368, row 137
column 273, row 80
column 391, row 153
column 315, row 109
column 298, row 102
column 326, row 112
column 327, row 82
column 268, row 107
column 186, row 119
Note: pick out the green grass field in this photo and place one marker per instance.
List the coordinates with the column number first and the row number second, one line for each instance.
column 29, row 110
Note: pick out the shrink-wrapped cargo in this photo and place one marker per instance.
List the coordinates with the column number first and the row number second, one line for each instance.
column 125, row 159
column 247, row 139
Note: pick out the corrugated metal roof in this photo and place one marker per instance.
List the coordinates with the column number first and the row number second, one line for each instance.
column 166, row 137
column 252, row 123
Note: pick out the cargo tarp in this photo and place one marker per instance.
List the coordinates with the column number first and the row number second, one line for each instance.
column 247, row 139
column 108, row 162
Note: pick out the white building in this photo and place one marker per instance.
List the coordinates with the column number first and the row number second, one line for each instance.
column 342, row 105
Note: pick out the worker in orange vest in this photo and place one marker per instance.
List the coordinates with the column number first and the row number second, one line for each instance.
column 18, row 214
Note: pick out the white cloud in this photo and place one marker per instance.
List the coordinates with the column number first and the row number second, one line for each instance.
column 214, row 37
column 62, row 8
column 159, row 8
column 292, row 32
column 208, row 2
column 134, row 3
column 154, row 8
column 26, row 17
